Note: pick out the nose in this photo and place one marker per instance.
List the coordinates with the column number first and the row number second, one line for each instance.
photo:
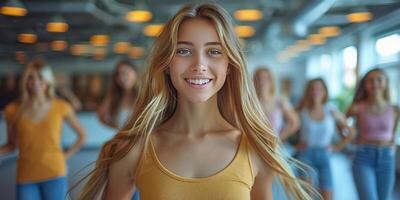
column 199, row 68
column 200, row 65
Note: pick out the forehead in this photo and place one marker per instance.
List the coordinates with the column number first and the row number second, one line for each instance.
column 317, row 84
column 33, row 73
column 124, row 67
column 197, row 30
column 264, row 73
column 375, row 74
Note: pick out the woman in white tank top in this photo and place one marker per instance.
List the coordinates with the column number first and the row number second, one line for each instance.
column 318, row 120
column 119, row 101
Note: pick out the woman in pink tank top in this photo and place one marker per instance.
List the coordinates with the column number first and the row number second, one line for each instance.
column 376, row 120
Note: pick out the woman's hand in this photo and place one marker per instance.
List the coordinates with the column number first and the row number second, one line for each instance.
column 301, row 146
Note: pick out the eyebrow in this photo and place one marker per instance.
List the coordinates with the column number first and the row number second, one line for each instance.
column 191, row 43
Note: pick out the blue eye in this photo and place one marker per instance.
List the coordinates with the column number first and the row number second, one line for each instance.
column 184, row 52
column 214, row 52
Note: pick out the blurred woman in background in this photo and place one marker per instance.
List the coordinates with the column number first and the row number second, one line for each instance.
column 318, row 119
column 280, row 113
column 374, row 162
column 34, row 124
column 118, row 103
column 282, row 116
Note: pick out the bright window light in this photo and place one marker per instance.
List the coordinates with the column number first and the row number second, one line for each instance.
column 350, row 57
column 388, row 46
column 349, row 78
column 326, row 61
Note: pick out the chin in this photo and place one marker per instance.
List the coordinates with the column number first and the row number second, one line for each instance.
column 198, row 98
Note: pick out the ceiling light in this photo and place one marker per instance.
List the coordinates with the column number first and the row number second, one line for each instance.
column 59, row 45
column 28, row 38
column 99, row 40
column 316, row 39
column 248, row 15
column 13, row 8
column 153, row 30
column 359, row 17
column 139, row 16
column 57, row 24
column 329, row 31
column 122, row 47
column 244, row 31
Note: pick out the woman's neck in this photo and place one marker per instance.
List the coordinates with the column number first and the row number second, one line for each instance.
column 126, row 98
column 376, row 100
column 265, row 97
column 38, row 100
column 196, row 118
column 316, row 105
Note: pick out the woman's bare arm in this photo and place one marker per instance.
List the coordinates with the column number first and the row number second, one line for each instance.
column 11, row 141
column 74, row 123
column 103, row 112
column 264, row 175
column 292, row 122
column 121, row 176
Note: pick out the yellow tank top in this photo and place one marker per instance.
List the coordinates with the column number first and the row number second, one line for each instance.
column 234, row 182
column 39, row 143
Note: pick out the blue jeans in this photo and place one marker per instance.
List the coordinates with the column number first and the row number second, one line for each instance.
column 54, row 189
column 278, row 191
column 135, row 196
column 319, row 160
column 374, row 172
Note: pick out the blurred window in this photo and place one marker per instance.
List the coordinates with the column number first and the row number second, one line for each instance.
column 350, row 63
column 388, row 48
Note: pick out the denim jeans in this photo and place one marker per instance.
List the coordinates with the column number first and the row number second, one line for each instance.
column 278, row 191
column 54, row 189
column 135, row 196
column 318, row 158
column 374, row 172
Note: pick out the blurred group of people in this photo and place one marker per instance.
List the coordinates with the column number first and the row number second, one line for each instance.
column 316, row 120
column 34, row 118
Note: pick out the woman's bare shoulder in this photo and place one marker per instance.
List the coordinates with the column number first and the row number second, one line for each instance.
column 129, row 154
column 260, row 166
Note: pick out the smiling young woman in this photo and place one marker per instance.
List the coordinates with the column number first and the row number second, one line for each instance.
column 198, row 131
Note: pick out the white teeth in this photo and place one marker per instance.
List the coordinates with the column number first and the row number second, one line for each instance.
column 198, row 81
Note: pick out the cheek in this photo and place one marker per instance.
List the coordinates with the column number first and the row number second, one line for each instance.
column 174, row 74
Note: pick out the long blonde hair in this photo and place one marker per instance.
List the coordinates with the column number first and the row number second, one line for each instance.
column 157, row 102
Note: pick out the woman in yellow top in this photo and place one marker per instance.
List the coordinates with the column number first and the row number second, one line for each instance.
column 34, row 124
column 197, row 131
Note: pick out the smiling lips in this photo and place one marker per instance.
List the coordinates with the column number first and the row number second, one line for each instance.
column 198, row 82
